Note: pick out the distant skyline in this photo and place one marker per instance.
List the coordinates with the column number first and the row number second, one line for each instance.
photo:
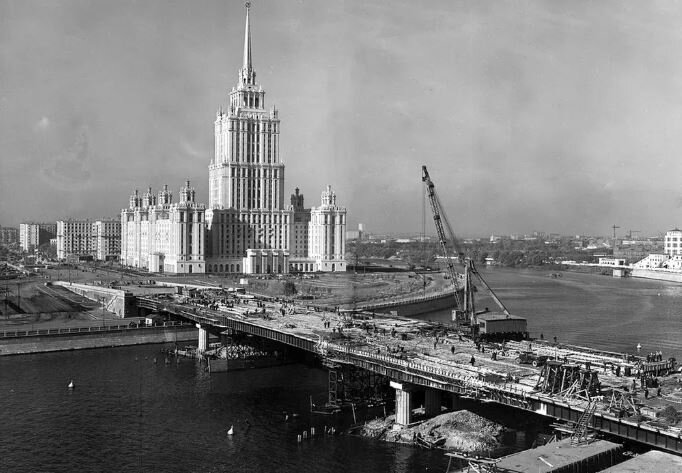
column 563, row 117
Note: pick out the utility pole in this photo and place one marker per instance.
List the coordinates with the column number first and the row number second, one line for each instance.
column 614, row 231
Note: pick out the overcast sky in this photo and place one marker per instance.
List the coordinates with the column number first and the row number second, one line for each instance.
column 557, row 116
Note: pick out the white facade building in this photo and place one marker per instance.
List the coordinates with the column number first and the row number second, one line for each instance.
column 652, row 261
column 32, row 235
column 327, row 234
column 673, row 242
column 247, row 228
column 248, row 225
column 160, row 236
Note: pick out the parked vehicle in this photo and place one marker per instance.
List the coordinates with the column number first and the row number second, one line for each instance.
column 531, row 358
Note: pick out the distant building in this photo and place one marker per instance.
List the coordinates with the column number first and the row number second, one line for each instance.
column 358, row 234
column 298, row 243
column 651, row 261
column 672, row 243
column 9, row 235
column 319, row 242
column 327, row 243
column 107, row 235
column 88, row 240
column 32, row 235
column 604, row 261
column 161, row 236
column 634, row 253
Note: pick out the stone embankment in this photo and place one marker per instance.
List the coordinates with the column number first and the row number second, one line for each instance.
column 43, row 341
column 463, row 431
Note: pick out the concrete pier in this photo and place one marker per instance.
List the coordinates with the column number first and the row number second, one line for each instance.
column 203, row 339
column 403, row 402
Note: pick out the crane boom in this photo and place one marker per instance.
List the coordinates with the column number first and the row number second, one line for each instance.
column 435, row 208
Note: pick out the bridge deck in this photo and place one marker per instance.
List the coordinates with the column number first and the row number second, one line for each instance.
column 429, row 355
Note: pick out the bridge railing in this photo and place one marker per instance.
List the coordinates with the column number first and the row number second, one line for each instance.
column 98, row 328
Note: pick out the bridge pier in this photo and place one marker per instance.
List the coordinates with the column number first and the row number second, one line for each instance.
column 203, row 339
column 403, row 402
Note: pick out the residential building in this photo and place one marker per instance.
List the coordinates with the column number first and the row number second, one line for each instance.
column 9, row 235
column 672, row 243
column 87, row 239
column 32, row 235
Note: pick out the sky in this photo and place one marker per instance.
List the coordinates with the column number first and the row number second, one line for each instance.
column 549, row 116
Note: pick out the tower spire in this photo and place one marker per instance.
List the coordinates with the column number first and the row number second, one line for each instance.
column 247, row 40
column 247, row 76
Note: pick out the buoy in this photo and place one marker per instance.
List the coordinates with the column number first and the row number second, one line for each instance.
column 71, row 385
column 231, row 431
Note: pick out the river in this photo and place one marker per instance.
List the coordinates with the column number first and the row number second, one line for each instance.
column 590, row 309
column 130, row 414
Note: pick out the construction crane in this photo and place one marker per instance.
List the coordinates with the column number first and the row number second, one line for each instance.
column 614, row 230
column 438, row 218
column 465, row 311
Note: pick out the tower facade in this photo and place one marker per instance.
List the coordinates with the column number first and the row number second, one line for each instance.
column 327, row 234
column 248, row 223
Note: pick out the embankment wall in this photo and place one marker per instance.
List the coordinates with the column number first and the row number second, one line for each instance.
column 661, row 275
column 119, row 302
column 97, row 339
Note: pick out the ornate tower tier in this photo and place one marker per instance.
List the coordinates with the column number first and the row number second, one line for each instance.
column 246, row 171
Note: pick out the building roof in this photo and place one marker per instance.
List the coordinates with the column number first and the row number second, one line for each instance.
column 499, row 316
column 654, row 460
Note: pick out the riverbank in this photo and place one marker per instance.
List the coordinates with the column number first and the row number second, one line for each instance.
column 22, row 342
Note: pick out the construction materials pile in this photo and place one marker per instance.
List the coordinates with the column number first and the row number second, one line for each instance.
column 463, row 431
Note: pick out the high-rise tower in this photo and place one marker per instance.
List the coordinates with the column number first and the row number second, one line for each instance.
column 247, row 221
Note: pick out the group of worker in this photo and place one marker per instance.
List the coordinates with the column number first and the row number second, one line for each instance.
column 654, row 356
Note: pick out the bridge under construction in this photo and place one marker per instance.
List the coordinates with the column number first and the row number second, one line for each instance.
column 623, row 395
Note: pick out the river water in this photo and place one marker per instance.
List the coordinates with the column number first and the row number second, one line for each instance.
column 130, row 414
column 592, row 310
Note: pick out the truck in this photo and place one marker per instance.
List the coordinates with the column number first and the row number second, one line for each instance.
column 531, row 358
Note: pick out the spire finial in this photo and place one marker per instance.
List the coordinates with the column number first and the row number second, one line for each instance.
column 247, row 40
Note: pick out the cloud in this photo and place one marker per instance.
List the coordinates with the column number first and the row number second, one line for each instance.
column 70, row 170
column 42, row 124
